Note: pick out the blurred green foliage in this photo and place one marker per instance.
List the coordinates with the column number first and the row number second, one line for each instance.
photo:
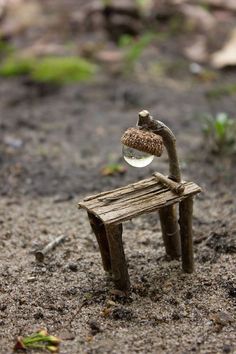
column 219, row 91
column 134, row 47
column 57, row 70
column 16, row 66
column 63, row 70
column 5, row 48
column 220, row 132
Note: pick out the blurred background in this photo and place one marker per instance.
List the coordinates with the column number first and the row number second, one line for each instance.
column 74, row 74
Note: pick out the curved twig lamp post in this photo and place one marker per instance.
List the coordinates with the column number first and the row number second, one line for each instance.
column 146, row 138
column 108, row 210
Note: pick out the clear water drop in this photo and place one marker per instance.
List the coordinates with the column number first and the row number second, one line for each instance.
column 136, row 158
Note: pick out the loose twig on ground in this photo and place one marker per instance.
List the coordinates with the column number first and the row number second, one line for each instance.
column 40, row 254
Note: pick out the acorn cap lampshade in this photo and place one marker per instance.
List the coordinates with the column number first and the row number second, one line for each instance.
column 143, row 140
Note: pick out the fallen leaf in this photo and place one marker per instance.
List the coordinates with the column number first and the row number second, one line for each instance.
column 110, row 56
column 106, row 312
column 20, row 15
column 198, row 16
column 197, row 51
column 113, row 169
column 225, row 4
column 227, row 55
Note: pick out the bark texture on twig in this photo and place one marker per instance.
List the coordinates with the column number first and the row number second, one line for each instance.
column 100, row 232
column 170, row 231
column 167, row 216
column 174, row 186
column 185, row 222
column 118, row 262
column 147, row 122
column 135, row 199
column 40, row 254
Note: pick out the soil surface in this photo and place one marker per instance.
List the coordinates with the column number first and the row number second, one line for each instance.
column 54, row 143
column 53, row 147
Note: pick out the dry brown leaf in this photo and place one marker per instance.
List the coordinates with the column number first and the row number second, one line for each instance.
column 106, row 312
column 227, row 55
column 198, row 50
column 110, row 56
column 113, row 169
column 198, row 16
column 41, row 48
column 20, row 15
column 225, row 4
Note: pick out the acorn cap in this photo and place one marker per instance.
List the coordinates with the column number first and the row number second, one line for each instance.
column 143, row 140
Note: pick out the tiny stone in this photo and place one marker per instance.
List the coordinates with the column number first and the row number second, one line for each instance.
column 189, row 295
column 38, row 315
column 3, row 307
column 175, row 316
column 232, row 292
column 73, row 267
column 121, row 313
column 95, row 328
column 72, row 291
column 227, row 348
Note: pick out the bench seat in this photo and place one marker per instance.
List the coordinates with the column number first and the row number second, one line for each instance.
column 125, row 203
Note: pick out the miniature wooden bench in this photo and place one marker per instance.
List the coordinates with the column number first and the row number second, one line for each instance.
column 108, row 210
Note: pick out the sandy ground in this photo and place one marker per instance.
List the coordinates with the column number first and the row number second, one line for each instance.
column 64, row 139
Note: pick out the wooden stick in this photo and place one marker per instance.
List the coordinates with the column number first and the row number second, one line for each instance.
column 147, row 122
column 168, row 219
column 100, row 232
column 176, row 187
column 170, row 231
column 118, row 262
column 40, row 254
column 185, row 222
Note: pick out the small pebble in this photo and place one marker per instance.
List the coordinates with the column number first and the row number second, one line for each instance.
column 3, row 307
column 121, row 313
column 232, row 292
column 73, row 267
column 38, row 315
column 72, row 291
column 227, row 348
column 95, row 327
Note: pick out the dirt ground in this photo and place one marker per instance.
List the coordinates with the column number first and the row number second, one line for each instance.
column 53, row 144
column 52, row 150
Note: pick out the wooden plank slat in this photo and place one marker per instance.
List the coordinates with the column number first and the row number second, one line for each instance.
column 124, row 203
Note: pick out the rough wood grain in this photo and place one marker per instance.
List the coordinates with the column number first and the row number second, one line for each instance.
column 118, row 263
column 125, row 203
column 170, row 231
column 176, row 187
column 185, row 222
column 100, row 232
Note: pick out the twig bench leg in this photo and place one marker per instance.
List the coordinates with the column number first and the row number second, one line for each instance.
column 100, row 232
column 185, row 222
column 118, row 262
column 170, row 231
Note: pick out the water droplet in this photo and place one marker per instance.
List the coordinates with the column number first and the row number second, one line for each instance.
column 136, row 158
